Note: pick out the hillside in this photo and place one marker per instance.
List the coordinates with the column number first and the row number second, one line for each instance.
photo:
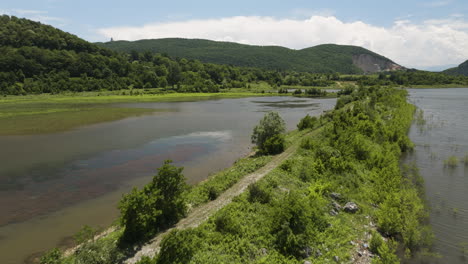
column 37, row 58
column 462, row 69
column 319, row 59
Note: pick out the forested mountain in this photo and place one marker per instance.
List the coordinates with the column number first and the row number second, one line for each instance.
column 462, row 69
column 327, row 58
column 37, row 58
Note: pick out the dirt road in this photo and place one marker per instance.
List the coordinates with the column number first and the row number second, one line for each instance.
column 203, row 212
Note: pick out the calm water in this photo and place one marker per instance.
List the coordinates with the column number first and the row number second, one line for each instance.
column 445, row 134
column 52, row 184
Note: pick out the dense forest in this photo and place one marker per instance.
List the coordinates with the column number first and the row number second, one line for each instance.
column 462, row 69
column 37, row 58
column 409, row 78
column 327, row 58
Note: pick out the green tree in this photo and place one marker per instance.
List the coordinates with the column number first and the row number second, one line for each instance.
column 271, row 125
column 157, row 206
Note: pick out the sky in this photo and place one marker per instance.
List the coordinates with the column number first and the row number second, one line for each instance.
column 423, row 34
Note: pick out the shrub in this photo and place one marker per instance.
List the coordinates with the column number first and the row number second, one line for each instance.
column 387, row 254
column 297, row 91
column 179, row 246
column 307, row 122
column 376, row 242
column 274, row 145
column 270, row 125
column 99, row 252
column 259, row 193
column 226, row 223
column 159, row 205
column 297, row 221
column 53, row 256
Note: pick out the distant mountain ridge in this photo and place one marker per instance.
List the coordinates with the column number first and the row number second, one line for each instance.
column 326, row 58
column 461, row 69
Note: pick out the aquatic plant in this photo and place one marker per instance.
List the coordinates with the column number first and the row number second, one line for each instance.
column 419, row 118
column 451, row 162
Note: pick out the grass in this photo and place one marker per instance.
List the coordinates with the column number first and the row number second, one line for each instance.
column 465, row 159
column 216, row 184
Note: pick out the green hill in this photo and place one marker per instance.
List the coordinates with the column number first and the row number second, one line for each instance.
column 38, row 58
column 319, row 59
column 462, row 69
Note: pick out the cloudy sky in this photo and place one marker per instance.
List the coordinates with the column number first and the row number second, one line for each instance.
column 424, row 34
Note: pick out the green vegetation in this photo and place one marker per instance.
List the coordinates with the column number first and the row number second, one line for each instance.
column 410, row 78
column 216, row 184
column 465, row 159
column 268, row 134
column 451, row 162
column 319, row 59
column 307, row 122
column 156, row 207
column 36, row 58
column 284, row 217
column 462, row 69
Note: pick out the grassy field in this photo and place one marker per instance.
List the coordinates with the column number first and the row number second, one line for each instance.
column 46, row 113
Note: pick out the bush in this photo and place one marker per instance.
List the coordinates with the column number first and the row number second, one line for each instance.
column 179, row 246
column 274, row 145
column 307, row 122
column 99, row 252
column 270, row 125
column 227, row 224
column 53, row 256
column 159, row 205
column 386, row 254
column 297, row 221
column 259, row 193
column 376, row 242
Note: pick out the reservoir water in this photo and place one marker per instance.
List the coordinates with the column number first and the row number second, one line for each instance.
column 53, row 184
column 445, row 134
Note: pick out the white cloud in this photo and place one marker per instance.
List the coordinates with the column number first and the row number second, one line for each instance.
column 430, row 43
column 36, row 15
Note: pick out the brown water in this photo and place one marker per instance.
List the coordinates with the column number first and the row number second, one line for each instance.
column 53, row 184
column 445, row 134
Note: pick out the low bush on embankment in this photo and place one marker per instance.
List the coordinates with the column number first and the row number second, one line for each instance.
column 343, row 186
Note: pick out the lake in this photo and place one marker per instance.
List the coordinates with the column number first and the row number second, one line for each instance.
column 53, row 184
column 445, row 134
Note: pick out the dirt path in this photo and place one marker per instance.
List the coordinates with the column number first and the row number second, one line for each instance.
column 203, row 212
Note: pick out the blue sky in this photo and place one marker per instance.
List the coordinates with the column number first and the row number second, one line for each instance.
column 375, row 23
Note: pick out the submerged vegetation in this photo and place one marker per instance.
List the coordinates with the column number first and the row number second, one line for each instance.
column 451, row 162
column 320, row 204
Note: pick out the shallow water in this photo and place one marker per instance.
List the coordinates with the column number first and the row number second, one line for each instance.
column 445, row 134
column 52, row 184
